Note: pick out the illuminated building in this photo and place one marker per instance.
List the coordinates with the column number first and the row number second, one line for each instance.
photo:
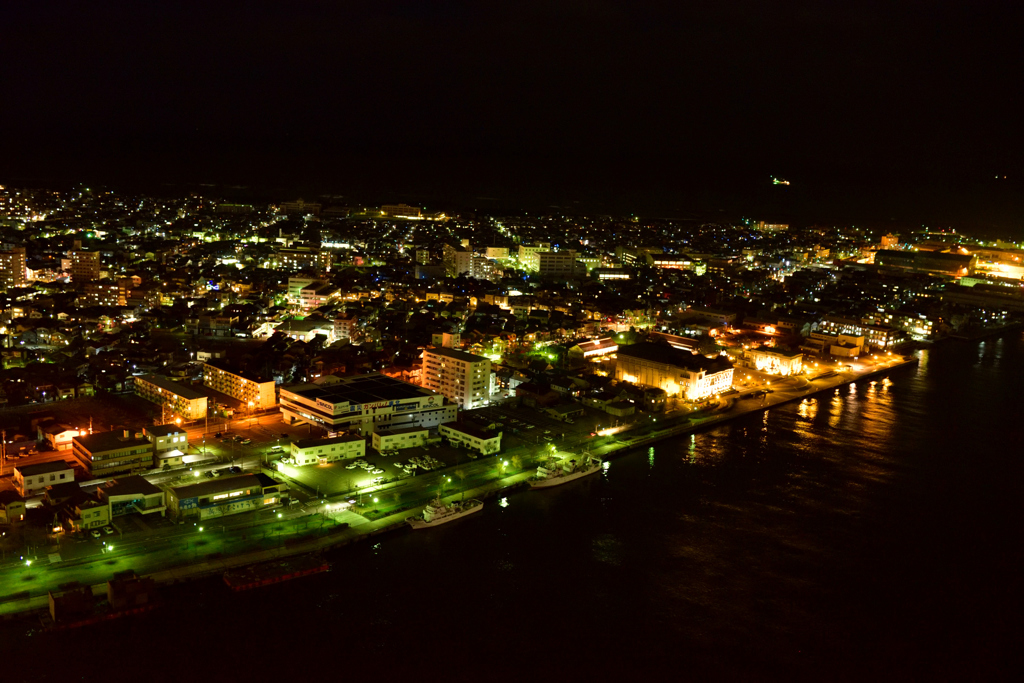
column 953, row 265
column 483, row 440
column 32, row 479
column 460, row 376
column 226, row 496
column 103, row 293
column 390, row 440
column 12, row 268
column 252, row 391
column 457, row 260
column 528, row 254
column 345, row 326
column 85, row 266
column 774, row 361
column 363, row 403
column 12, row 507
column 401, row 211
column 678, row 372
column 303, row 258
column 186, row 402
column 300, row 208
column 556, row 264
column 323, row 451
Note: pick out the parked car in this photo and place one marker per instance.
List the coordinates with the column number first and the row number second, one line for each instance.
column 108, row 530
column 95, row 533
column 235, row 469
column 245, row 442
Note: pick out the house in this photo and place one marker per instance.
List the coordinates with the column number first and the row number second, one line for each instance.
column 12, row 507
column 32, row 479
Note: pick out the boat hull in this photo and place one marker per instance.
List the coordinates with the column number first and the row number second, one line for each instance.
column 564, row 479
column 420, row 523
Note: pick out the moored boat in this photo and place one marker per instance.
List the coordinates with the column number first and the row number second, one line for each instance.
column 556, row 474
column 437, row 512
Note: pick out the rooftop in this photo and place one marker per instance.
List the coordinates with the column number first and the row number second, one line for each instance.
column 457, row 355
column 173, row 387
column 109, row 441
column 669, row 355
column 43, row 468
column 244, row 374
column 361, row 389
column 310, row 443
column 134, row 485
column 215, row 486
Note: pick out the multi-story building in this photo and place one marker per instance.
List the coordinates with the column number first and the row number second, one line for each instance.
column 318, row 294
column 85, row 266
column 528, row 254
column 103, row 293
column 774, row 361
column 32, row 479
column 251, row 390
column 300, row 208
column 939, row 263
column 303, row 258
column 12, row 268
column 181, row 400
column 679, row 372
column 457, row 375
column 132, row 494
column 323, row 451
column 295, row 287
column 556, row 264
column 483, row 268
column 457, row 260
column 106, row 454
column 226, row 496
column 401, row 211
column 359, row 404
column 392, row 440
column 485, row 441
column 12, row 507
column 345, row 326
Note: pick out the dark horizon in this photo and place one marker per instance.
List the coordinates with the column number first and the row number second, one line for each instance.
column 876, row 115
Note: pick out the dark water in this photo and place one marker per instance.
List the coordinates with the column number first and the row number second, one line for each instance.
column 869, row 534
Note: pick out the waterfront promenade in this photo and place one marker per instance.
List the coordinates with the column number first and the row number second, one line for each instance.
column 190, row 551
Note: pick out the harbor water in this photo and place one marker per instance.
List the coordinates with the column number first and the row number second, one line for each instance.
column 868, row 533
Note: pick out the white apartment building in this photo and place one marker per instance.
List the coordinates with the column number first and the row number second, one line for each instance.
column 364, row 403
column 461, row 377
column 528, row 254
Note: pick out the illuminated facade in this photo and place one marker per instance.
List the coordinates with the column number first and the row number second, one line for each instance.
column 252, row 391
column 323, row 451
column 32, row 479
column 226, row 496
column 186, row 402
column 12, row 267
column 678, row 372
column 85, row 266
column 362, row 403
column 460, row 376
column 774, row 362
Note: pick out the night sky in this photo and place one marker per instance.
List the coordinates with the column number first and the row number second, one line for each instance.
column 879, row 112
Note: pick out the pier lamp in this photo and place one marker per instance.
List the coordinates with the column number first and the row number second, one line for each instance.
column 200, row 529
column 28, row 563
column 279, row 515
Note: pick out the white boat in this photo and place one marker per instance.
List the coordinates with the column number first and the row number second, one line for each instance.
column 436, row 513
column 557, row 474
